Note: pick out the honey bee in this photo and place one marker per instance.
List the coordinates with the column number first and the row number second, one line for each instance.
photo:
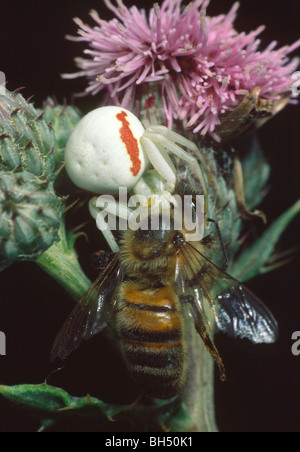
column 156, row 285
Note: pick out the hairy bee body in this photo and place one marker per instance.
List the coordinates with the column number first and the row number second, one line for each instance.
column 151, row 327
column 150, row 317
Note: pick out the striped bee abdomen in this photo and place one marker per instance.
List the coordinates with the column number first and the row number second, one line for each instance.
column 151, row 329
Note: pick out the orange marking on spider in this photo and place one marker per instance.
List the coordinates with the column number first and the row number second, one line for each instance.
column 130, row 142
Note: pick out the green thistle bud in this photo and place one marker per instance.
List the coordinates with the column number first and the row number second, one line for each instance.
column 27, row 143
column 63, row 119
column 30, row 216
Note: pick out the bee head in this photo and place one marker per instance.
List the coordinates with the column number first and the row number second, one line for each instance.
column 152, row 240
column 154, row 236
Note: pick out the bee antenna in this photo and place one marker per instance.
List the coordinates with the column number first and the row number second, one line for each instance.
column 210, row 220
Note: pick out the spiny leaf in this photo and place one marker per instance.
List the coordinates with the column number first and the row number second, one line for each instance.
column 251, row 263
column 51, row 403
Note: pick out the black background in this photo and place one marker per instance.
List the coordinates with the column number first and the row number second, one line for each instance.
column 262, row 393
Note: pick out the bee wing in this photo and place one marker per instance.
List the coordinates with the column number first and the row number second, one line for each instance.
column 91, row 315
column 238, row 312
column 195, row 297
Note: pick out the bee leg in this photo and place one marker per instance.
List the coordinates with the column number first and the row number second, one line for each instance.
column 238, row 181
column 203, row 333
column 209, row 220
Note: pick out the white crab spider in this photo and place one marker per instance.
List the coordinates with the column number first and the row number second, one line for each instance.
column 109, row 148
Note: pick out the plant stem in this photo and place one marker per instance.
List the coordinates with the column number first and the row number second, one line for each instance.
column 197, row 412
column 61, row 262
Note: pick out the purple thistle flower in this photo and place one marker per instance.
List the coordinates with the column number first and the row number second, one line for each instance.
column 202, row 65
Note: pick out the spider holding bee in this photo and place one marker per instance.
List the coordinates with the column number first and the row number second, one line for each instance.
column 154, row 285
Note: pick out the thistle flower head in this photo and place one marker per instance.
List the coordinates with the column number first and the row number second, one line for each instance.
column 202, row 65
column 30, row 210
column 30, row 216
column 27, row 142
column 63, row 119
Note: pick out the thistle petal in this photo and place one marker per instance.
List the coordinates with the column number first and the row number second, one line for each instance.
column 201, row 64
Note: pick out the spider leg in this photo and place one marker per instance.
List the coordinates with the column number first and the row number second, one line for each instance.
column 167, row 140
column 179, row 139
column 160, row 161
column 108, row 205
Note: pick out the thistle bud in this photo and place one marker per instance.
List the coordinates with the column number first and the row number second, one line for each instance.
column 27, row 143
column 30, row 216
column 62, row 119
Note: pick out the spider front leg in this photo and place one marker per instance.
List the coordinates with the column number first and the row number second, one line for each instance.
column 161, row 162
column 157, row 140
column 100, row 209
column 105, row 210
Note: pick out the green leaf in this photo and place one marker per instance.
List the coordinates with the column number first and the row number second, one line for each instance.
column 253, row 261
column 40, row 397
column 256, row 172
column 50, row 404
column 55, row 401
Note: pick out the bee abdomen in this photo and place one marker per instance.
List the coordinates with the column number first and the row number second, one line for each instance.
column 160, row 373
column 151, row 330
